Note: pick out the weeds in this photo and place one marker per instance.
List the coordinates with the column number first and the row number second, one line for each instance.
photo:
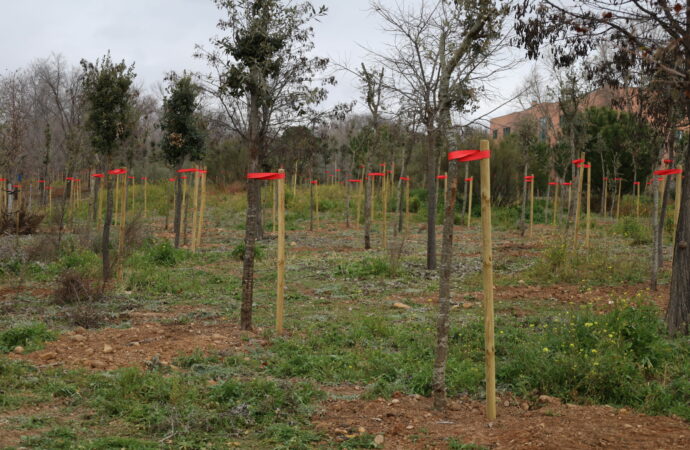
column 30, row 336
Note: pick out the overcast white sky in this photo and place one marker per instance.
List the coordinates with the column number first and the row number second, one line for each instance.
column 159, row 36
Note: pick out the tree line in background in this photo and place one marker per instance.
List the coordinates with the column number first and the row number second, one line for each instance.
column 260, row 103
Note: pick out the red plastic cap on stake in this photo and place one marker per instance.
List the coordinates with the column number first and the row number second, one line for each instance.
column 183, row 177
column 636, row 183
column 314, row 182
column 405, row 178
column 578, row 161
column 553, row 183
column 376, row 174
column 130, row 177
column 529, row 178
column 469, row 179
column 441, row 177
column 266, row 176
column 668, row 171
column 469, row 155
column 355, row 181
column 668, row 161
column 587, row 166
column 191, row 169
column 117, row 171
column 144, row 178
column 566, row 184
column 69, row 179
column 98, row 175
column 171, row 179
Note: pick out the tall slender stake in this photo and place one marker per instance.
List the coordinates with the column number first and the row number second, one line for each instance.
column 195, row 214
column 121, row 238
column 50, row 201
column 531, row 207
column 618, row 203
column 679, row 186
column 384, row 210
column 589, row 205
column 316, row 195
column 407, row 208
column 116, row 216
column 637, row 213
column 555, row 203
column 294, row 181
column 469, row 203
column 274, row 207
column 202, row 211
column 146, row 182
column 488, row 282
column 579, row 199
column 183, row 209
column 280, row 289
column 606, row 182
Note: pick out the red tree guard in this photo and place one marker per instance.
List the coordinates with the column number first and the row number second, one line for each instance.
column 265, row 176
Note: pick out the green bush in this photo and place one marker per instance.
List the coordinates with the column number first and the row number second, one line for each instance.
column 164, row 254
column 30, row 336
column 630, row 227
column 369, row 266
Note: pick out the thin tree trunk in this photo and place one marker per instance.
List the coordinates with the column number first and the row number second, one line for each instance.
column 177, row 222
column 253, row 223
column 105, row 241
column 524, row 200
column 431, row 200
column 678, row 311
column 367, row 210
column 443, row 321
column 655, row 231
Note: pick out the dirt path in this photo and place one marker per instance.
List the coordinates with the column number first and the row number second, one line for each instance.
column 409, row 422
column 141, row 345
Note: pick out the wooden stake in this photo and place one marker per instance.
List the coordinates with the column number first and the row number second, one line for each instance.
column 469, row 203
column 579, row 199
column 618, row 203
column 384, row 210
column 294, row 181
column 121, row 238
column 316, row 195
column 280, row 308
column 200, row 227
column 101, row 194
column 555, row 204
column 407, row 208
column 146, row 182
column 637, row 214
column 50, row 201
column 605, row 196
column 679, row 185
column 359, row 200
column 589, row 206
column 531, row 206
column 116, row 215
column 183, row 210
column 488, row 282
column 274, row 208
column 195, row 214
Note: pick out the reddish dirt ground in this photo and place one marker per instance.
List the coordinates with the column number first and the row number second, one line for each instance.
column 142, row 343
column 409, row 422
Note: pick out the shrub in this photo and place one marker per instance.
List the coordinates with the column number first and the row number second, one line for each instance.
column 164, row 254
column 369, row 266
column 30, row 336
column 630, row 227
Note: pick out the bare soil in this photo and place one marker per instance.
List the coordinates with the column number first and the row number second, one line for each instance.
column 410, row 422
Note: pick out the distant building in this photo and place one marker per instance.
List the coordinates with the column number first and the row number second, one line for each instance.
column 546, row 115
